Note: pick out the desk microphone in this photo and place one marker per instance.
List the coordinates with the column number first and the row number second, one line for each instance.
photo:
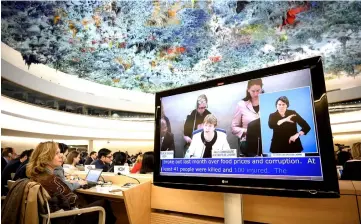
column 119, row 173
column 102, row 178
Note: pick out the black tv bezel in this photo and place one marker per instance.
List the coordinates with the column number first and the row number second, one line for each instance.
column 328, row 188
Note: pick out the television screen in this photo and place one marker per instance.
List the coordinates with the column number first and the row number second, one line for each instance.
column 256, row 130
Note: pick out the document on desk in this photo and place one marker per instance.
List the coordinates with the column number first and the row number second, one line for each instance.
column 115, row 190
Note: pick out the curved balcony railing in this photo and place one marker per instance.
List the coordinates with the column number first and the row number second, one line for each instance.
column 23, row 94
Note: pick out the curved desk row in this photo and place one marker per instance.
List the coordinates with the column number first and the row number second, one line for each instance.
column 149, row 204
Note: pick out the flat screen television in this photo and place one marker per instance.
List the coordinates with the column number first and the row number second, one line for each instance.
column 263, row 132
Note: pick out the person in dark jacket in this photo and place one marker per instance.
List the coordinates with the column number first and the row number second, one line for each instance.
column 254, row 144
column 167, row 138
column 352, row 168
column 12, row 167
column 343, row 156
column 284, row 122
column 7, row 155
column 83, row 157
column 105, row 157
column 93, row 156
column 195, row 119
column 21, row 172
column 119, row 159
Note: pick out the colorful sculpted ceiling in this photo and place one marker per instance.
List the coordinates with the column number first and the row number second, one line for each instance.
column 156, row 45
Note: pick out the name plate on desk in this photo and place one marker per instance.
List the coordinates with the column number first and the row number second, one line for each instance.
column 226, row 153
column 121, row 169
column 166, row 154
column 67, row 166
column 89, row 167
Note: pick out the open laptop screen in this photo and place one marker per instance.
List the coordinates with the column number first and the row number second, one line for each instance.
column 93, row 176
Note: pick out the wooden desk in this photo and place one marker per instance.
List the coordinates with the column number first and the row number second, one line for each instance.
column 117, row 179
column 264, row 209
column 346, row 187
column 132, row 205
column 357, row 186
column 359, row 206
column 95, row 192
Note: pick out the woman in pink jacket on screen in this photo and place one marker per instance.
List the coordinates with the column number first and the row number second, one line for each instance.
column 247, row 110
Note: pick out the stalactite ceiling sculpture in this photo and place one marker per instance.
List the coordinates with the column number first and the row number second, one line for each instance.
column 156, row 45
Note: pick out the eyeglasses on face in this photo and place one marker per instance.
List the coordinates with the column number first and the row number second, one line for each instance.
column 201, row 108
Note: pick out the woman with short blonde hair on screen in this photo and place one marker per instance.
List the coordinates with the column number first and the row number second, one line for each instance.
column 208, row 140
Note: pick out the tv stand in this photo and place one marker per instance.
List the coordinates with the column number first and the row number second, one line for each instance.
column 233, row 208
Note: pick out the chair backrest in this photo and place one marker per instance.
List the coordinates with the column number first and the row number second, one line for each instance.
column 217, row 129
column 10, row 184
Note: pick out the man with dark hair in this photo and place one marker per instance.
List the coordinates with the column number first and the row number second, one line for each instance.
column 10, row 168
column 21, row 171
column 7, row 155
column 105, row 157
column 63, row 148
column 93, row 156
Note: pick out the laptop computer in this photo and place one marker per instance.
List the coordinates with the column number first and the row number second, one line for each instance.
column 93, row 177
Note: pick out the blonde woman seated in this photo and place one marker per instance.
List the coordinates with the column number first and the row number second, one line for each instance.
column 72, row 159
column 209, row 139
column 45, row 158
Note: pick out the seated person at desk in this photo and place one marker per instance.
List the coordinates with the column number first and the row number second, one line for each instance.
column 91, row 158
column 21, row 171
column 209, row 139
column 147, row 163
column 195, row 118
column 166, row 138
column 83, row 157
column 40, row 168
column 138, row 164
column 59, row 171
column 7, row 154
column 105, row 157
column 352, row 168
column 11, row 167
column 343, row 156
column 120, row 158
column 72, row 160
